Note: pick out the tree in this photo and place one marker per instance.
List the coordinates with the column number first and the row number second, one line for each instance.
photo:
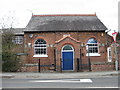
column 10, row 61
column 9, row 57
column 118, row 37
column 8, row 20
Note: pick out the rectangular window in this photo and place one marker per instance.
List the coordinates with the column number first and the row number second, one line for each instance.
column 40, row 49
column 92, row 49
column 18, row 40
column 109, row 54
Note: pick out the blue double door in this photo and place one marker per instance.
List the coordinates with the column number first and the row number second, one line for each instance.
column 67, row 60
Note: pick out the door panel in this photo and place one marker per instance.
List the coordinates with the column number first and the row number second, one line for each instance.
column 67, row 58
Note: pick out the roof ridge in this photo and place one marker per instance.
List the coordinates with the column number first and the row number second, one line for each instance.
column 67, row 15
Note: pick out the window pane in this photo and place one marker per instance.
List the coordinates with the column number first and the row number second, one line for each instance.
column 40, row 46
column 40, row 41
column 67, row 47
column 90, row 50
column 96, row 50
column 19, row 39
column 36, row 42
column 42, row 52
column 92, row 45
column 92, row 40
column 37, row 51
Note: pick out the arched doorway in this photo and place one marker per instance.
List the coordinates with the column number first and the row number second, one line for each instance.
column 67, row 57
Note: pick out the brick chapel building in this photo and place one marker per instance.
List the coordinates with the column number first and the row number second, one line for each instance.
column 67, row 42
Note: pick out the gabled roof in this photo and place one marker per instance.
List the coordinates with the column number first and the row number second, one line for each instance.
column 65, row 22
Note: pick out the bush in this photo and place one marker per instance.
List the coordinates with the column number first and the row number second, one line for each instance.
column 10, row 62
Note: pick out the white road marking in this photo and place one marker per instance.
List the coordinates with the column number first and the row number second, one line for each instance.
column 86, row 80
column 66, row 80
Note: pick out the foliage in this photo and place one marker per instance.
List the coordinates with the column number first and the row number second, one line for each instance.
column 7, row 40
column 9, row 58
column 10, row 62
column 118, row 36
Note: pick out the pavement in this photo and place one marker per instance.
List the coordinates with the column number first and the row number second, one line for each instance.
column 56, row 75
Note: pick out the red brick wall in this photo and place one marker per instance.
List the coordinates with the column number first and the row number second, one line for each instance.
column 52, row 37
column 29, row 69
column 103, row 67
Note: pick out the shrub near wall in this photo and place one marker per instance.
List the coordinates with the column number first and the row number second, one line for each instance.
column 10, row 62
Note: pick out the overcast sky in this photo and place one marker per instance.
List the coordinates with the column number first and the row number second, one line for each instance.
column 106, row 10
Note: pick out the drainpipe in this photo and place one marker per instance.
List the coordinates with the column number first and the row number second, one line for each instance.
column 39, row 66
column 60, row 64
column 80, row 60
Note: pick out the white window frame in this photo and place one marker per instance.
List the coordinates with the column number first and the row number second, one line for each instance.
column 41, row 46
column 18, row 40
column 67, row 50
column 94, row 53
column 109, row 54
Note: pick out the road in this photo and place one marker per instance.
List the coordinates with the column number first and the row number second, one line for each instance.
column 100, row 82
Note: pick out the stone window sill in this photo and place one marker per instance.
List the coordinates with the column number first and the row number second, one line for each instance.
column 93, row 54
column 40, row 56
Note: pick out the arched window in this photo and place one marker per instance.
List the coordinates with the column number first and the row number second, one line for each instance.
column 92, row 47
column 67, row 47
column 40, row 47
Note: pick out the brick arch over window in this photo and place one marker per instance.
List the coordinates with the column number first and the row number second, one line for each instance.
column 40, row 48
column 92, row 47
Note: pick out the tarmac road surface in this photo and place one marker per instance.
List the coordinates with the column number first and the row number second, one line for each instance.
column 94, row 82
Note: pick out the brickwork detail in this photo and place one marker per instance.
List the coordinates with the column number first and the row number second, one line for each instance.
column 103, row 67
column 76, row 39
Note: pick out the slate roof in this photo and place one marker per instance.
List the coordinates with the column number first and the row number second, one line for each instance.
column 65, row 22
column 18, row 31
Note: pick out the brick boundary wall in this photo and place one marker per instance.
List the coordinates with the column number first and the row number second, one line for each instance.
column 28, row 69
column 34, row 68
column 94, row 67
column 102, row 67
